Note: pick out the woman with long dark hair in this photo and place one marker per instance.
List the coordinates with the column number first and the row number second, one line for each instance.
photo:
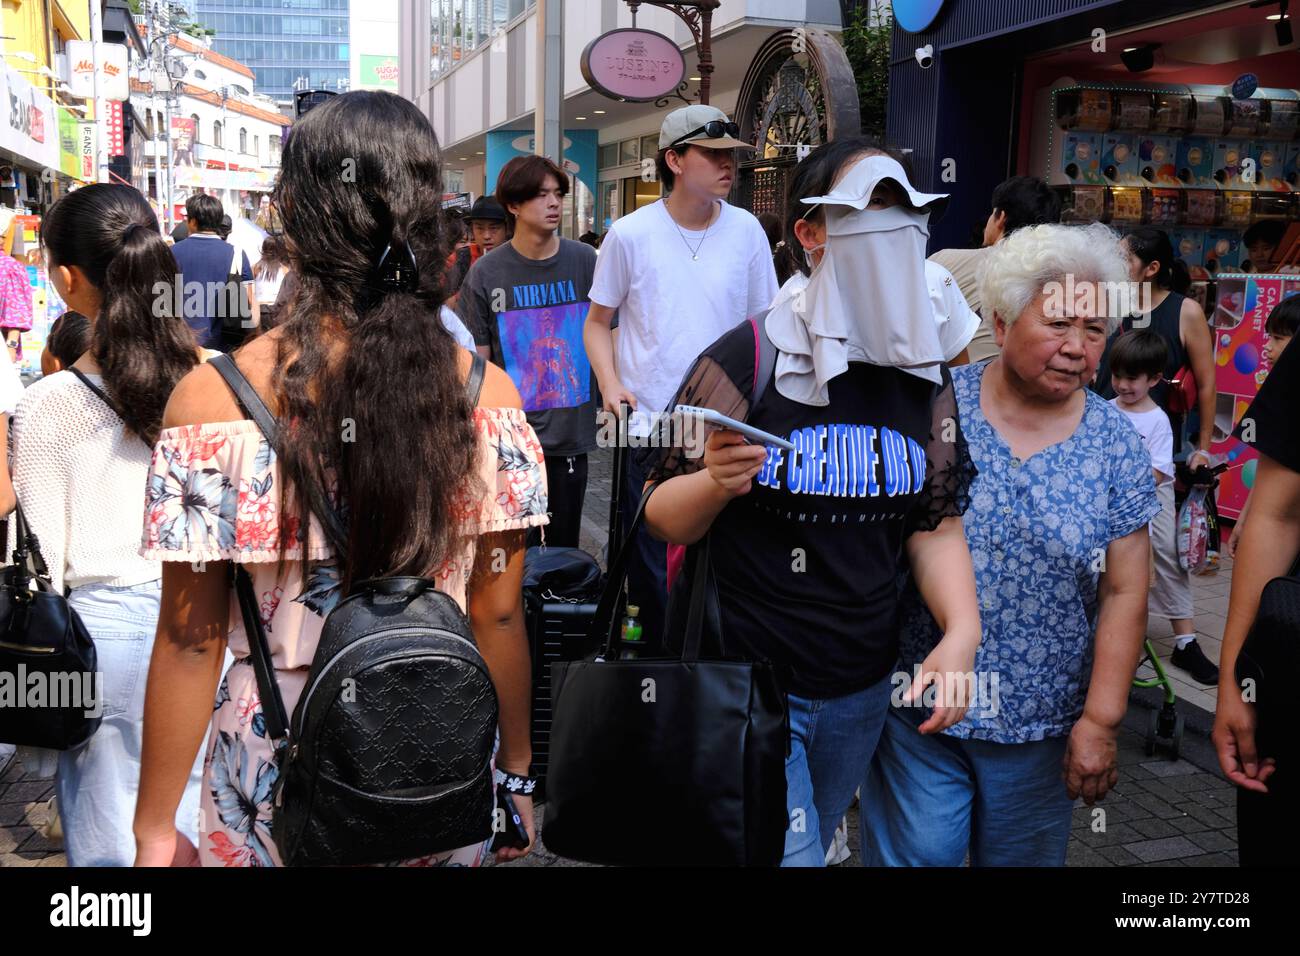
column 82, row 443
column 807, row 546
column 1182, row 325
column 268, row 278
column 371, row 388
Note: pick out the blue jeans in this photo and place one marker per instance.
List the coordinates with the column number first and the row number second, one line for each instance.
column 831, row 742
column 928, row 799
column 96, row 784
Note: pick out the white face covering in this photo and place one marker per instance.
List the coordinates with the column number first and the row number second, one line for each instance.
column 867, row 300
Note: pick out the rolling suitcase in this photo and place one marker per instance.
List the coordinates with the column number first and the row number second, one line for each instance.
column 562, row 588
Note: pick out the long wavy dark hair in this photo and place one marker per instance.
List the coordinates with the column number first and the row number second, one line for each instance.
column 369, row 379
column 143, row 346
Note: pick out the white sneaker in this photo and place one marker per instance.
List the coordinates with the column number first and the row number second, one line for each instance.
column 839, row 848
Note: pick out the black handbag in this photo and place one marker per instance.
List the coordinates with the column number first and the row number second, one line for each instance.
column 389, row 753
column 46, row 656
column 673, row 761
column 1269, row 659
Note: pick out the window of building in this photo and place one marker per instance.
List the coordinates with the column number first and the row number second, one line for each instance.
column 649, row 145
column 628, row 151
column 608, row 156
column 243, row 141
column 216, row 134
column 197, row 127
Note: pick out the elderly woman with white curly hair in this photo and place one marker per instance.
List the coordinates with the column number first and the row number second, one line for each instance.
column 1057, row 531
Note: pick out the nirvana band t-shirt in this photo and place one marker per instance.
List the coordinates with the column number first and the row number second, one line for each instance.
column 531, row 313
column 808, row 563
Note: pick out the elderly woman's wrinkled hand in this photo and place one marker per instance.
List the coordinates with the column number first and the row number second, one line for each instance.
column 1090, row 761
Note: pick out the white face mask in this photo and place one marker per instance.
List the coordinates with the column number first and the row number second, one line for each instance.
column 867, row 299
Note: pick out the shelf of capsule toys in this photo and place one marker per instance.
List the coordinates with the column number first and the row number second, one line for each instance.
column 1242, row 304
column 20, row 241
column 1189, row 159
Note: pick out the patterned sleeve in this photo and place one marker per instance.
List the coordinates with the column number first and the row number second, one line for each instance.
column 513, row 470
column 949, row 471
column 213, row 495
column 1132, row 500
column 722, row 378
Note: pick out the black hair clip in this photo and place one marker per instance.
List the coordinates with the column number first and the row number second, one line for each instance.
column 397, row 271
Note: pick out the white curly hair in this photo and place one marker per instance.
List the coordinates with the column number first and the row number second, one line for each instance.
column 1032, row 260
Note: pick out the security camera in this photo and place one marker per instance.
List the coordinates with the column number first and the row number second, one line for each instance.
column 925, row 56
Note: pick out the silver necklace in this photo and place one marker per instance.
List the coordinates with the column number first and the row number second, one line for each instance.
column 695, row 253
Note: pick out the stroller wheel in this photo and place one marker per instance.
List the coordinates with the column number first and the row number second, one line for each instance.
column 1176, row 743
column 1153, row 719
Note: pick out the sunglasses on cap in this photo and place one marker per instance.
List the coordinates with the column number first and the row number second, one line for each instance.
column 713, row 129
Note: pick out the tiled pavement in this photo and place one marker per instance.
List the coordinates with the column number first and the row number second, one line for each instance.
column 1163, row 812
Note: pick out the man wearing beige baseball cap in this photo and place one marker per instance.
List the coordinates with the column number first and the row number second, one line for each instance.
column 679, row 272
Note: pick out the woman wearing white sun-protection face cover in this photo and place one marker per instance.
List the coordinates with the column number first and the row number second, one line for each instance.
column 876, row 484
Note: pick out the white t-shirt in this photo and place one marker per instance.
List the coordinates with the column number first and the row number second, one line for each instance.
column 1157, row 436
column 670, row 307
column 451, row 321
column 268, row 287
column 956, row 321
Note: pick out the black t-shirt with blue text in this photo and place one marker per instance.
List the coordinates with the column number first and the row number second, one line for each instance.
column 808, row 563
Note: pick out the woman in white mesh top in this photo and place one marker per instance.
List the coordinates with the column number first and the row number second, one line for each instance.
column 80, row 467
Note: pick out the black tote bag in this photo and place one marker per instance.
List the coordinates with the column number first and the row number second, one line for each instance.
column 43, row 643
column 666, row 762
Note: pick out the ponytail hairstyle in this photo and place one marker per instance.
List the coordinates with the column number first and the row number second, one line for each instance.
column 1150, row 245
column 142, row 345
column 366, row 372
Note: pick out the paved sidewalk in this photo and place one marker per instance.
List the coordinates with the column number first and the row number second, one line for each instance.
column 1164, row 812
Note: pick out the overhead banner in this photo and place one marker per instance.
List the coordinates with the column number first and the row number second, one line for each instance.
column 114, row 80
column 580, row 145
column 379, row 72
column 30, row 128
column 69, row 143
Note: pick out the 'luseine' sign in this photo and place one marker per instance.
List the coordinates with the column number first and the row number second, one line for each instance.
column 633, row 65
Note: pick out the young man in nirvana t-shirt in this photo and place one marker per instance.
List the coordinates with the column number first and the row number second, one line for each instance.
column 679, row 272
column 526, row 304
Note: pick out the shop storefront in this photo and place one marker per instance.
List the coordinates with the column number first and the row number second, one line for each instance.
column 1178, row 114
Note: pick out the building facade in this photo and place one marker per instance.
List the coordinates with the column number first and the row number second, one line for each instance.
column 225, row 139
column 471, row 65
column 373, row 43
column 289, row 46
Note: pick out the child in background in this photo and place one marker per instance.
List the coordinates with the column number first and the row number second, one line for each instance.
column 1281, row 325
column 1137, row 361
column 67, row 341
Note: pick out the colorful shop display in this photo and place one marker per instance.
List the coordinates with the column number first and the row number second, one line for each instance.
column 1242, row 305
column 1191, row 159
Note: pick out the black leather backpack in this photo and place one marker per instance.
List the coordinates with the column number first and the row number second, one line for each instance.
column 388, row 756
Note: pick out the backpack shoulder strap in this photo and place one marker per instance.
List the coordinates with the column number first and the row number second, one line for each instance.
column 474, row 384
column 247, row 396
column 101, row 395
column 273, row 710
column 764, row 356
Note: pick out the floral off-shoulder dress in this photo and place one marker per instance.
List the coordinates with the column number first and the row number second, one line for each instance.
column 214, row 495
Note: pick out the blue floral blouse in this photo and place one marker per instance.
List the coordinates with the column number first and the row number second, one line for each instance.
column 1038, row 532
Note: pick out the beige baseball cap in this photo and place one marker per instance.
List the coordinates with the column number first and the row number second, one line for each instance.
column 687, row 125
